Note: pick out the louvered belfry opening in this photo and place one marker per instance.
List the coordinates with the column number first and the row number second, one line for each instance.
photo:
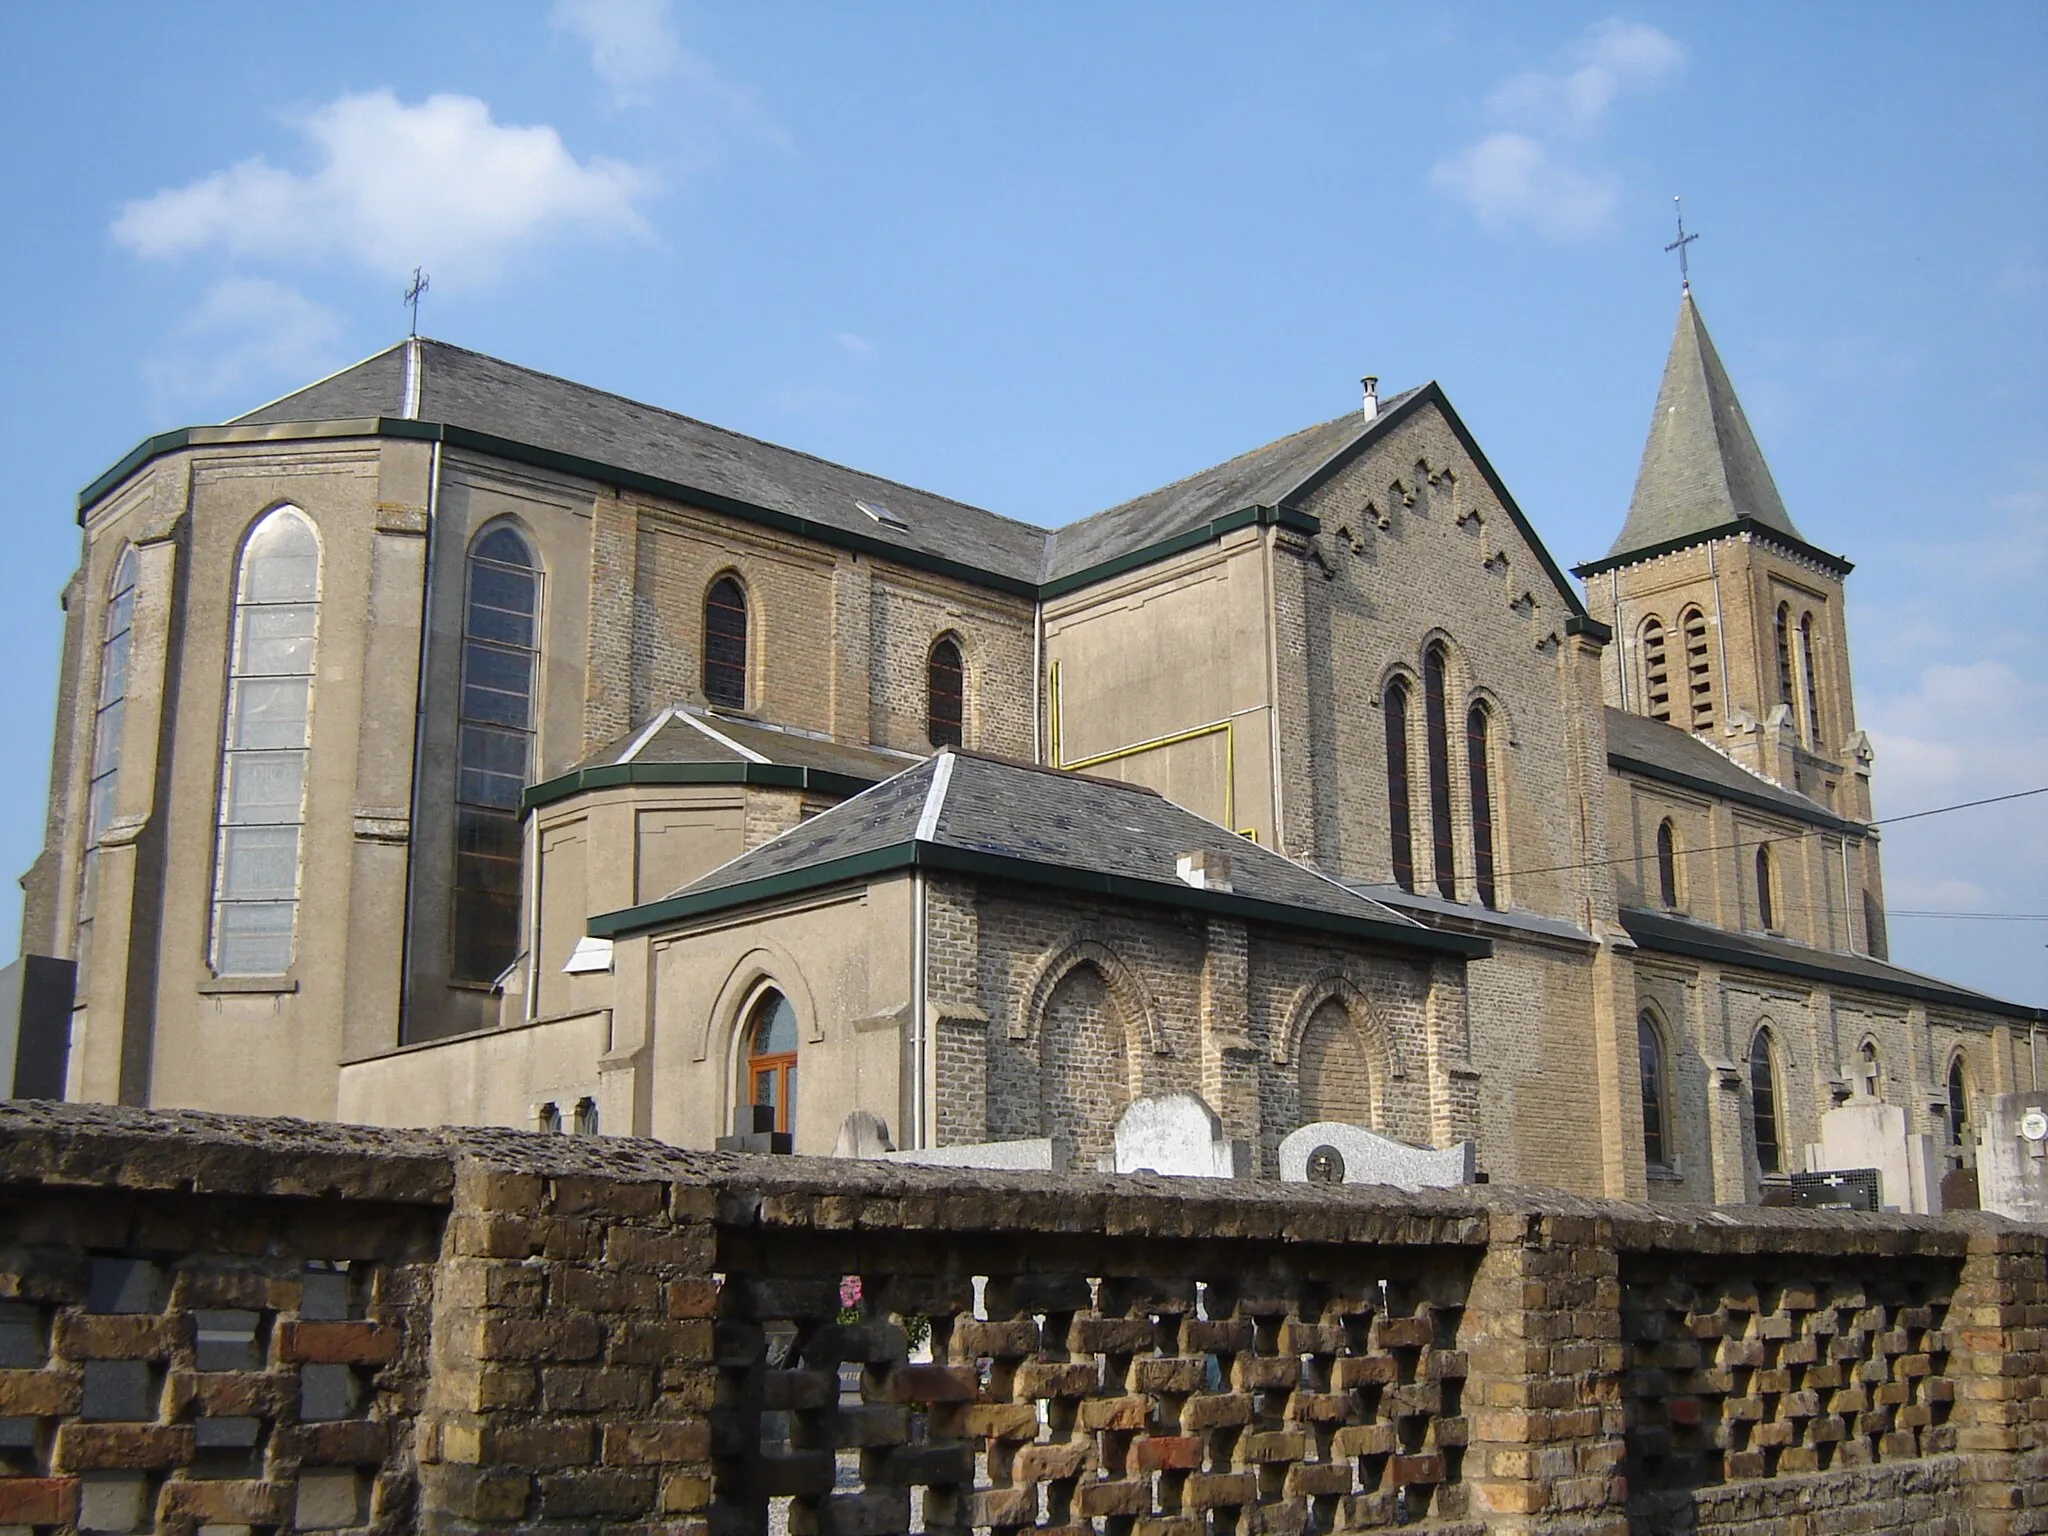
column 1656, row 671
column 1699, row 672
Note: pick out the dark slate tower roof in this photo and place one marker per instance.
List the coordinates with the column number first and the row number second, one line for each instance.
column 1702, row 469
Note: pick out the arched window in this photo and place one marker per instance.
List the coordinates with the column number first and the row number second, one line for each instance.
column 771, row 1057
column 1400, row 834
column 1873, row 927
column 500, row 645
column 263, row 769
column 1807, row 676
column 1650, row 1063
column 1869, row 1070
column 945, row 695
column 1766, row 909
column 1782, row 631
column 1667, row 863
column 1478, row 764
column 1656, row 670
column 1958, row 1103
column 115, row 630
column 585, row 1122
column 1699, row 671
column 1763, row 1101
column 1437, row 728
column 725, row 643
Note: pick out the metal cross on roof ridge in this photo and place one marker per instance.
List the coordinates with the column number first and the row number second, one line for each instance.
column 421, row 281
column 1679, row 245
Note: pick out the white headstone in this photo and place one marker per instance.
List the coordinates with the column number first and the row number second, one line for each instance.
column 1333, row 1152
column 862, row 1134
column 2012, row 1156
column 1039, row 1154
column 1178, row 1135
column 1869, row 1133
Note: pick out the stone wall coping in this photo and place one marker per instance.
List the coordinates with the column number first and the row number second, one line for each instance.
column 117, row 1147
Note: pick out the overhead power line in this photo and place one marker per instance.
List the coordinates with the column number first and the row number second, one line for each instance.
column 1789, row 837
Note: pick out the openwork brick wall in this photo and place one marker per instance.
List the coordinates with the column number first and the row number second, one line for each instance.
column 255, row 1328
column 1754, row 1369
column 1180, row 1388
column 222, row 1364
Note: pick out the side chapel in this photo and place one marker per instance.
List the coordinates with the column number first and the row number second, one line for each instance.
column 450, row 743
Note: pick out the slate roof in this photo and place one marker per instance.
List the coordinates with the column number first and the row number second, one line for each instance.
column 689, row 735
column 1701, row 469
column 969, row 813
column 1662, row 931
column 468, row 389
column 1266, row 476
column 1638, row 744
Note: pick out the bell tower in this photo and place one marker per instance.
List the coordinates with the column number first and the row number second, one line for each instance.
column 1727, row 623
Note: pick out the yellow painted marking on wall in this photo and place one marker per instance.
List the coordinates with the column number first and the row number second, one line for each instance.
column 1227, row 728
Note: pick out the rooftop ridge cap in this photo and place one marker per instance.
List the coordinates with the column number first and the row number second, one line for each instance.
column 646, row 735
column 934, row 799
column 300, row 389
column 722, row 739
column 808, row 735
column 808, row 824
column 710, row 426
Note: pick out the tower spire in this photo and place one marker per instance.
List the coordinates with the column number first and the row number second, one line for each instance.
column 1702, row 470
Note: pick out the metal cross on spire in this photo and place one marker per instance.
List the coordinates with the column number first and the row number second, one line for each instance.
column 1679, row 245
column 420, row 283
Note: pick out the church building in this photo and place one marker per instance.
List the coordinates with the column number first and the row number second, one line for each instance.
column 450, row 743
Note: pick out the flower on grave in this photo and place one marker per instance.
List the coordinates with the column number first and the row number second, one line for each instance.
column 849, row 1291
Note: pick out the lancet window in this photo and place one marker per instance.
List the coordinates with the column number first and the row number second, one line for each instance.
column 263, row 768
column 1400, row 832
column 1478, row 762
column 945, row 694
column 725, row 643
column 500, row 649
column 1436, row 725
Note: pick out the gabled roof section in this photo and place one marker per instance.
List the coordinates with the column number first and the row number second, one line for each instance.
column 1701, row 469
column 1266, row 476
column 1656, row 750
column 685, row 745
column 503, row 400
column 964, row 813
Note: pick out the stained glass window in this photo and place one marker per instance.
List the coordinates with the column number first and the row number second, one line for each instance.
column 725, row 643
column 495, row 726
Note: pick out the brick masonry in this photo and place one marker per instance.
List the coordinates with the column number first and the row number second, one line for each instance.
column 221, row 1322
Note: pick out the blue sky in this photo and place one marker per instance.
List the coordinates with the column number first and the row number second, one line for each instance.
column 1045, row 257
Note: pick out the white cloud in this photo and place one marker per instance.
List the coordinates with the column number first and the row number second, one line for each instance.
column 633, row 47
column 859, row 346
column 1523, row 174
column 438, row 183
column 1510, row 179
column 244, row 334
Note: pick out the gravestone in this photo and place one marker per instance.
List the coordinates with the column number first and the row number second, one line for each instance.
column 863, row 1135
column 1333, row 1152
column 1869, row 1133
column 1178, row 1135
column 1038, row 1154
column 2012, row 1155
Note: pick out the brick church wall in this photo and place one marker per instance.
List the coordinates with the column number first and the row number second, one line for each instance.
column 559, row 1334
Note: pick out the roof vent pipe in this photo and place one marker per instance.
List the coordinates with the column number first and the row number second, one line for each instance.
column 1371, row 384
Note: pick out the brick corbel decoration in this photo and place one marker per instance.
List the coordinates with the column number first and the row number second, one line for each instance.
column 208, row 1321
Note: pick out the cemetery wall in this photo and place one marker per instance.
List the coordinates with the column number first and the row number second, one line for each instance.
column 557, row 1334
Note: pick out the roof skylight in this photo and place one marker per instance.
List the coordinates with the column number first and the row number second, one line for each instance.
column 882, row 515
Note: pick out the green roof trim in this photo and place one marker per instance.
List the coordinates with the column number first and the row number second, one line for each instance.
column 1193, row 538
column 1742, row 525
column 592, row 469
column 1660, row 935
column 1759, row 801
column 942, row 858
column 766, row 775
